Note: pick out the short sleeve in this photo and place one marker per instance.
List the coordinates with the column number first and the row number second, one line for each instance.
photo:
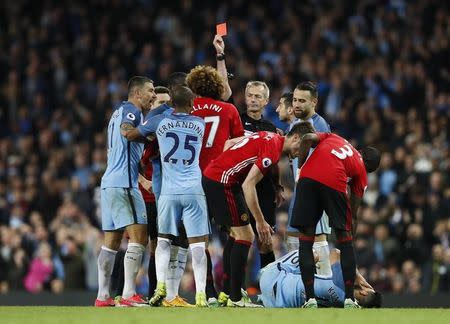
column 358, row 184
column 131, row 115
column 269, row 154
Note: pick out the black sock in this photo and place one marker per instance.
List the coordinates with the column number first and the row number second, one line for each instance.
column 210, row 289
column 227, row 265
column 306, row 262
column 266, row 258
column 151, row 275
column 117, row 276
column 239, row 255
column 348, row 265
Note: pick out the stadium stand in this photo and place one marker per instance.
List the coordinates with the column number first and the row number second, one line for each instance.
column 383, row 73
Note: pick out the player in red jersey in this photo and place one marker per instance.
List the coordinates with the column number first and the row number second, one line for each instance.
column 334, row 166
column 222, row 123
column 230, row 186
column 145, row 186
column 221, row 118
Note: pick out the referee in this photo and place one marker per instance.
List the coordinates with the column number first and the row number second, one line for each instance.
column 256, row 98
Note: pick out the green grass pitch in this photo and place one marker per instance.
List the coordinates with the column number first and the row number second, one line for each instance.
column 85, row 315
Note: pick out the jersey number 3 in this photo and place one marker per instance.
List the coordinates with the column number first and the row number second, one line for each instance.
column 187, row 146
column 343, row 152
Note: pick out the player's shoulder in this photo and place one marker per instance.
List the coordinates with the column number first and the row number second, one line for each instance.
column 130, row 113
column 196, row 119
column 320, row 124
column 129, row 107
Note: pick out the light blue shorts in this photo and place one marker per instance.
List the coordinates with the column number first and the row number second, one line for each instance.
column 323, row 226
column 122, row 207
column 189, row 209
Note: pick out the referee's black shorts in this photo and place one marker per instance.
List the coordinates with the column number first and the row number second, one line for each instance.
column 226, row 204
column 312, row 198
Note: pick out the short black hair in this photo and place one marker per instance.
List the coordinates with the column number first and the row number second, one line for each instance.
column 372, row 300
column 176, row 79
column 161, row 89
column 288, row 97
column 182, row 96
column 371, row 157
column 308, row 86
column 137, row 82
column 301, row 129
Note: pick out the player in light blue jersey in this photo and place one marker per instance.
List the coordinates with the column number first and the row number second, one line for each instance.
column 122, row 205
column 180, row 137
column 304, row 102
column 180, row 246
column 282, row 286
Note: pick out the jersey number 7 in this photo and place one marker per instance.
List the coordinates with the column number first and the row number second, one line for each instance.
column 215, row 120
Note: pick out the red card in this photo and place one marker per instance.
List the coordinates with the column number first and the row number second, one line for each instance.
column 221, row 29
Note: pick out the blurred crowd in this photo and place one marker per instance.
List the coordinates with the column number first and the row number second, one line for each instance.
column 383, row 73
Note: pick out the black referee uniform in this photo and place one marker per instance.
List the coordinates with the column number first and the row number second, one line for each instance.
column 266, row 187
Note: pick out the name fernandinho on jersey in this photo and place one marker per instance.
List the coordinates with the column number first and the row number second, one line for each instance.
column 179, row 124
column 214, row 107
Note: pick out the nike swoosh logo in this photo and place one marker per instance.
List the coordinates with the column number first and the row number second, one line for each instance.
column 144, row 123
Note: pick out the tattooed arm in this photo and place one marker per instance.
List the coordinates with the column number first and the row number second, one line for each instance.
column 131, row 133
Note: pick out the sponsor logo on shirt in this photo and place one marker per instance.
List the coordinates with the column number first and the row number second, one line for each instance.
column 130, row 116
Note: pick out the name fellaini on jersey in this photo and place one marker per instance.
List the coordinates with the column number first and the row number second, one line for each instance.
column 206, row 106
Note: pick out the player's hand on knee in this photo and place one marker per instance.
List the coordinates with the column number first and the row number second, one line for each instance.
column 264, row 231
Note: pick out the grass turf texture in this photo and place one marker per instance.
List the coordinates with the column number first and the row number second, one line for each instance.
column 85, row 315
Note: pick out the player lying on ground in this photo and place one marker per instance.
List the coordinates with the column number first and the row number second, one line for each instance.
column 282, row 286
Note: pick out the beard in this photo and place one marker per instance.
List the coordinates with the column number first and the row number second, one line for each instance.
column 302, row 114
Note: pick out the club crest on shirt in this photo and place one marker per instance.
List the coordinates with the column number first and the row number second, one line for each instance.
column 130, row 116
column 244, row 217
column 266, row 162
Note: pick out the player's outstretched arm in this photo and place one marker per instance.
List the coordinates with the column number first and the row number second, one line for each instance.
column 308, row 140
column 232, row 141
column 249, row 187
column 219, row 45
column 131, row 133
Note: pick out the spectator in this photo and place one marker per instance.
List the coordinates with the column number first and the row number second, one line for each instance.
column 382, row 72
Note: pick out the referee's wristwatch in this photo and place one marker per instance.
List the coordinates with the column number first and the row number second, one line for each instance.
column 220, row 56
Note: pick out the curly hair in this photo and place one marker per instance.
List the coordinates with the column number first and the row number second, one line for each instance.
column 205, row 81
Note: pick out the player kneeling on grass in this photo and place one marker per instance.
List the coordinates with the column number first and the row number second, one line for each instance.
column 282, row 285
column 180, row 137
